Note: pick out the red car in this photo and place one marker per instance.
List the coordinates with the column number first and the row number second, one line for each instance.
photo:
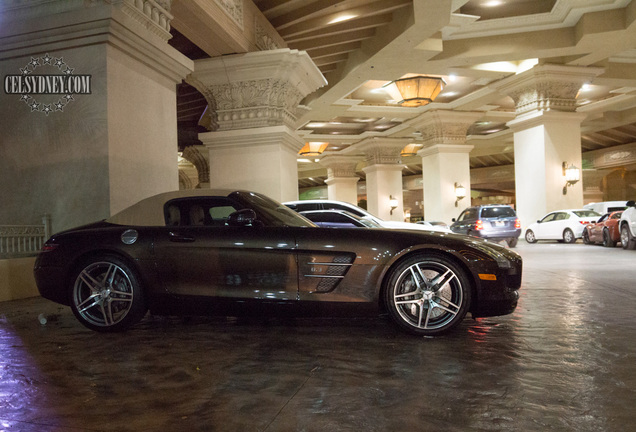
column 604, row 231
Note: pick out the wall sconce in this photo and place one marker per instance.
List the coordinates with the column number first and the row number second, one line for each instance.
column 572, row 175
column 460, row 193
column 393, row 203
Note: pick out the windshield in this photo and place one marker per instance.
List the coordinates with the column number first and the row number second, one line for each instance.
column 586, row 213
column 270, row 212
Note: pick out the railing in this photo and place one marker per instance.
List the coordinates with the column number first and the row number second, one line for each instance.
column 18, row 241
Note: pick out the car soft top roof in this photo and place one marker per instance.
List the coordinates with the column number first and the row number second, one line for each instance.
column 149, row 211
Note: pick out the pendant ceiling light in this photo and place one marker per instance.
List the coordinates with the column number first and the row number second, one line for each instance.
column 313, row 148
column 415, row 91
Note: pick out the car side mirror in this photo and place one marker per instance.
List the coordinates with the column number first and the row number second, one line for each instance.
column 630, row 204
column 538, row 220
column 453, row 220
column 244, row 217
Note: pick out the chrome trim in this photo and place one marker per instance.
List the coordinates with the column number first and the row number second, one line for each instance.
column 325, row 276
column 330, row 264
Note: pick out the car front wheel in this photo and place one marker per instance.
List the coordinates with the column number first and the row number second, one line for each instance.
column 427, row 295
column 530, row 237
column 568, row 236
column 586, row 237
column 106, row 295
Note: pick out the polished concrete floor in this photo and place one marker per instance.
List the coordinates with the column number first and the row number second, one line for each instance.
column 564, row 361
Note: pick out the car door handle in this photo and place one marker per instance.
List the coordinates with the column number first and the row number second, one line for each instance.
column 178, row 238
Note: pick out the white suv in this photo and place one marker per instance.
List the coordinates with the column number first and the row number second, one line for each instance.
column 309, row 205
column 627, row 226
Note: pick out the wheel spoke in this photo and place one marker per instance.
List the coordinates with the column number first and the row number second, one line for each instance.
column 408, row 294
column 440, row 306
column 93, row 284
column 109, row 276
column 441, row 280
column 403, row 302
column 95, row 298
column 417, row 282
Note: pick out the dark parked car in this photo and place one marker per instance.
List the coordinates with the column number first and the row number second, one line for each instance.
column 604, row 231
column 494, row 222
column 236, row 253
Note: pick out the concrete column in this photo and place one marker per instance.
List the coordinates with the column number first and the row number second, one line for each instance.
column 342, row 182
column 443, row 166
column 384, row 175
column 445, row 162
column 81, row 156
column 252, row 101
column 543, row 141
column 547, row 133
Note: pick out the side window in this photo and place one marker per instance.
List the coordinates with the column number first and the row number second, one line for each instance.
column 198, row 211
column 342, row 207
column 300, row 207
column 462, row 216
column 549, row 218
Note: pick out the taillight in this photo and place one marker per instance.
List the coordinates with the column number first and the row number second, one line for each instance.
column 584, row 222
column 48, row 247
column 517, row 224
column 479, row 225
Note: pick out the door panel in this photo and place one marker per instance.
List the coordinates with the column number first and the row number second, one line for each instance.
column 233, row 262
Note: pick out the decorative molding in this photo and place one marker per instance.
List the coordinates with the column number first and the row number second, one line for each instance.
column 340, row 166
column 547, row 87
column 200, row 162
column 445, row 127
column 154, row 15
column 234, row 9
column 264, row 41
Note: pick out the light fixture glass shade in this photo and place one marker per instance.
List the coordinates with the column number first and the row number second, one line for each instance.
column 393, row 202
column 572, row 174
column 410, row 150
column 460, row 191
column 416, row 91
column 313, row 148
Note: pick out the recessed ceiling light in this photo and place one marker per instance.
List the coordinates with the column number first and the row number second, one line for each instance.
column 492, row 3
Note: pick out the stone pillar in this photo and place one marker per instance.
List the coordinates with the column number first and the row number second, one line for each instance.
column 384, row 175
column 547, row 132
column 445, row 162
column 81, row 156
column 253, row 98
column 342, row 182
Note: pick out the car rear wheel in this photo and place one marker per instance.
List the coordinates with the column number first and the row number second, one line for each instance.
column 512, row 242
column 427, row 295
column 106, row 295
column 530, row 237
column 607, row 239
column 627, row 240
column 568, row 236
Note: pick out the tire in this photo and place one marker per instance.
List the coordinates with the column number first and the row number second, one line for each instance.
column 512, row 242
column 607, row 239
column 530, row 238
column 627, row 240
column 421, row 305
column 586, row 237
column 568, row 236
column 106, row 295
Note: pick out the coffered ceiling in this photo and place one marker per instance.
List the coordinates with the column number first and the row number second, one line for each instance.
column 362, row 45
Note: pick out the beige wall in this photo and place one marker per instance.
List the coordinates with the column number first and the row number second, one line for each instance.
column 16, row 279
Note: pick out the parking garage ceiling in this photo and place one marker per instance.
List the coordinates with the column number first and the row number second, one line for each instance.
column 361, row 45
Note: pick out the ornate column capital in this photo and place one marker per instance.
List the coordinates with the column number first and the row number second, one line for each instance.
column 381, row 150
column 340, row 165
column 256, row 89
column 445, row 127
column 547, row 87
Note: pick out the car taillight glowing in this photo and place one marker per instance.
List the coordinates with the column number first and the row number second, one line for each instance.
column 517, row 224
column 48, row 247
column 479, row 225
column 584, row 222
